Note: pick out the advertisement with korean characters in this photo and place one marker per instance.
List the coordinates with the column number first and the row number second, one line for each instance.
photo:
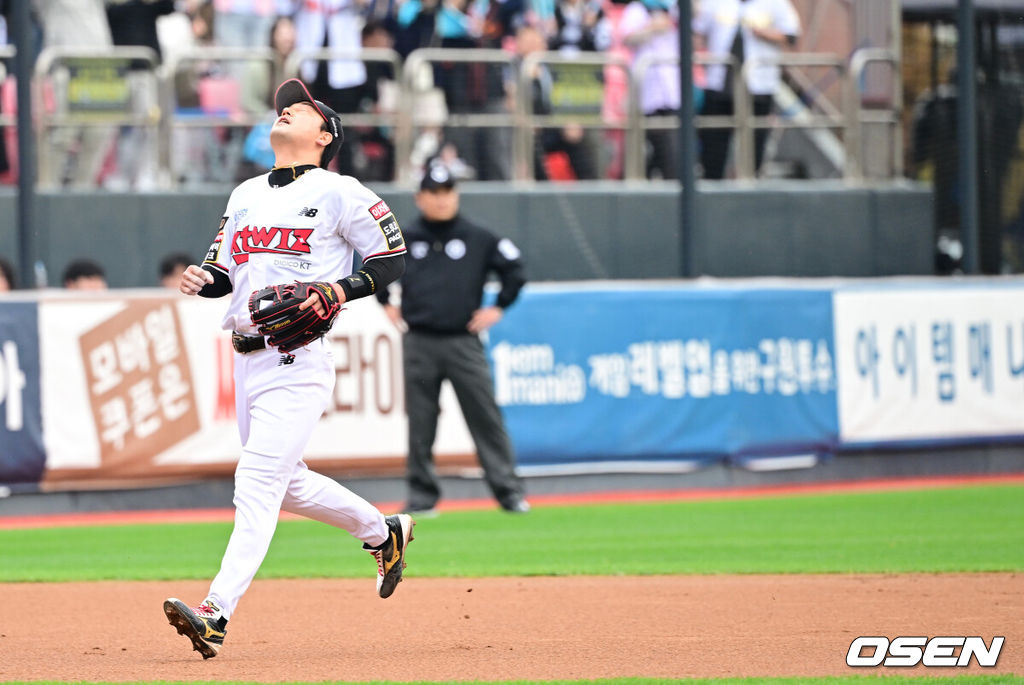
column 930, row 364
column 138, row 387
column 666, row 372
column 129, row 388
column 22, row 455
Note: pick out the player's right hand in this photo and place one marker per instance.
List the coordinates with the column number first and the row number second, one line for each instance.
column 193, row 279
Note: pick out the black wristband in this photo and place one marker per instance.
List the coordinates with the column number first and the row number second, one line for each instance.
column 374, row 276
column 221, row 285
column 359, row 284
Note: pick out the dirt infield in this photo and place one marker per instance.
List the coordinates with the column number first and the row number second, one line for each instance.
column 503, row 628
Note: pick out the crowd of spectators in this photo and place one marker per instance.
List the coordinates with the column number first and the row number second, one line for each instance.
column 627, row 30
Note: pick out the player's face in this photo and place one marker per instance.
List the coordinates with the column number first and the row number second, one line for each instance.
column 438, row 204
column 300, row 122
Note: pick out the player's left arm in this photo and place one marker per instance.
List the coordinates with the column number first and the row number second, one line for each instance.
column 212, row 277
column 372, row 229
column 507, row 261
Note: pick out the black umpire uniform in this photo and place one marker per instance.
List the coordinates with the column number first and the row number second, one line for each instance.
column 447, row 265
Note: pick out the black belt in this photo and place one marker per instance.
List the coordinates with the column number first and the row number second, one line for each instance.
column 245, row 344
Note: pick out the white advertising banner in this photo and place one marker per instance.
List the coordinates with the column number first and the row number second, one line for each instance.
column 140, row 386
column 929, row 364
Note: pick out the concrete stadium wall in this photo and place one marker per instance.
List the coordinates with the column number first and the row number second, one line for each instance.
column 566, row 232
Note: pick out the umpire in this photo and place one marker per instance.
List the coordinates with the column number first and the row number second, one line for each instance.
column 449, row 261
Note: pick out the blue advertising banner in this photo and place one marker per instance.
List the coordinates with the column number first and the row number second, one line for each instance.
column 671, row 372
column 22, row 455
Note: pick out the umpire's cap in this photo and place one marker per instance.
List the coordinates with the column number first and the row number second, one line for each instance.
column 437, row 176
column 293, row 90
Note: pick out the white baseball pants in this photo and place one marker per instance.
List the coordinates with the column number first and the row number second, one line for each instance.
column 278, row 405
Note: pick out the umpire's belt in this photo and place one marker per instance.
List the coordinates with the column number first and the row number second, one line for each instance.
column 244, row 344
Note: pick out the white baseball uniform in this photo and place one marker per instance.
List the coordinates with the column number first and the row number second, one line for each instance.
column 306, row 231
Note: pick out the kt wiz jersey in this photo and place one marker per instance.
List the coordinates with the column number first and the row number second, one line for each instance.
column 306, row 230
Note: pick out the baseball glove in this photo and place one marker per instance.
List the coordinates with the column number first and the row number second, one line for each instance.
column 275, row 312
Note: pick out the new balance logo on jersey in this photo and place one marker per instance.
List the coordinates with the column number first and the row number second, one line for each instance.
column 285, row 360
column 256, row 239
column 308, row 211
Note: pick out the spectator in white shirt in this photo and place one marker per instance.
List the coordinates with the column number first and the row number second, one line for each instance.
column 333, row 24
column 750, row 30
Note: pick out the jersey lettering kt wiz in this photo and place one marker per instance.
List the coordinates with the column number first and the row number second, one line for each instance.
column 304, row 231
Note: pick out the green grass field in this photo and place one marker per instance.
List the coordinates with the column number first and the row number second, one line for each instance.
column 977, row 528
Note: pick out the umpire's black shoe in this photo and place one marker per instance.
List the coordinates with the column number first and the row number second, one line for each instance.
column 516, row 506
column 202, row 624
column 390, row 556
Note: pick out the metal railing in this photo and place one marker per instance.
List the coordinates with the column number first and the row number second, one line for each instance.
column 829, row 119
column 638, row 124
column 385, row 114
column 365, row 55
column 114, row 101
column 414, row 80
column 858, row 116
column 742, row 120
column 531, row 121
column 235, row 116
column 415, row 83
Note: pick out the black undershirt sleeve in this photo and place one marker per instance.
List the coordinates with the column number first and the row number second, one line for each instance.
column 221, row 285
column 374, row 276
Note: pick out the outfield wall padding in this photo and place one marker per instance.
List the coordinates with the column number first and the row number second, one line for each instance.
column 135, row 387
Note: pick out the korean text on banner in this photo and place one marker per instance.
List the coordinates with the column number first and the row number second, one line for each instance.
column 662, row 373
column 930, row 365
column 22, row 455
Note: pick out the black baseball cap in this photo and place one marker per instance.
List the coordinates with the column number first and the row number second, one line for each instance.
column 437, row 176
column 293, row 90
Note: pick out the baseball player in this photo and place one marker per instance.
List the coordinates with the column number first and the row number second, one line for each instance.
column 299, row 222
